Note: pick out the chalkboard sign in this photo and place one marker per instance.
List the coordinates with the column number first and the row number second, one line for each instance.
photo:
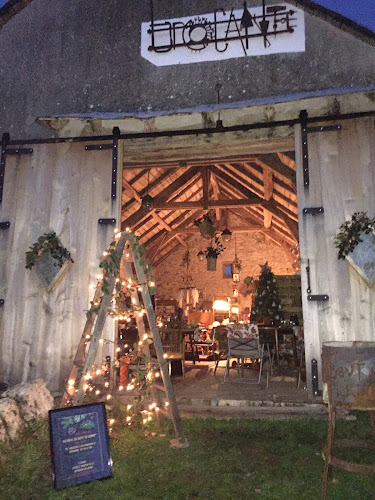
column 79, row 445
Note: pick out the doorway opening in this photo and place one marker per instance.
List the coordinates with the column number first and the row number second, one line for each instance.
column 250, row 197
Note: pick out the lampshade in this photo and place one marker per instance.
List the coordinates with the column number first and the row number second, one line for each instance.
column 221, row 305
column 226, row 235
column 201, row 255
column 147, row 202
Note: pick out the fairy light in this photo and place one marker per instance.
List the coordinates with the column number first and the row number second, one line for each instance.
column 105, row 253
column 127, row 229
column 101, row 341
column 109, row 396
column 166, row 403
column 117, row 280
column 121, row 388
column 123, row 283
column 111, row 421
column 157, row 374
column 165, row 355
column 88, row 336
column 118, row 349
column 97, row 392
column 152, row 283
column 129, row 407
column 106, row 384
column 128, row 419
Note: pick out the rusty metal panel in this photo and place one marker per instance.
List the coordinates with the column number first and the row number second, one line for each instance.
column 349, row 372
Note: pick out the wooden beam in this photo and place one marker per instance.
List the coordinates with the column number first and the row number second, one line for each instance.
column 287, row 160
column 273, row 161
column 216, row 191
column 267, row 215
column 141, row 193
column 268, row 192
column 168, row 228
column 187, row 205
column 239, row 229
column 290, row 224
column 205, row 183
column 162, row 197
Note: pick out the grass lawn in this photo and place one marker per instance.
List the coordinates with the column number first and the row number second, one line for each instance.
column 228, row 459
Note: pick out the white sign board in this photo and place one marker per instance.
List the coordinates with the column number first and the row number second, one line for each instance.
column 224, row 34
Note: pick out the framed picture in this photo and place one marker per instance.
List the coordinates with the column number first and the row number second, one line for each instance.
column 79, row 445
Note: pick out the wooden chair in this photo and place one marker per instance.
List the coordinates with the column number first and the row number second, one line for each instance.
column 174, row 347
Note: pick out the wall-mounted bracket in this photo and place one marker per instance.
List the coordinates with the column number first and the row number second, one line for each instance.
column 4, row 225
column 7, row 151
column 2, row 302
column 107, row 221
column 317, row 298
column 305, row 130
column 313, row 210
column 114, row 147
column 315, row 378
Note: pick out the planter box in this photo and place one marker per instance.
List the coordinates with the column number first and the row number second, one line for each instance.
column 49, row 274
column 211, row 263
column 363, row 258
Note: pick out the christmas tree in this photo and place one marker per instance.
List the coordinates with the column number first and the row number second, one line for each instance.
column 267, row 303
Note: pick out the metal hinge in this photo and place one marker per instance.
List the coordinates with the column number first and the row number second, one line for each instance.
column 311, row 297
column 107, row 221
column 305, row 150
column 313, row 210
column 114, row 147
column 315, row 378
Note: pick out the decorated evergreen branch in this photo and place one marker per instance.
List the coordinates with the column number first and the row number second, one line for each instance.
column 267, row 302
column 122, row 292
column 215, row 249
column 48, row 243
column 349, row 234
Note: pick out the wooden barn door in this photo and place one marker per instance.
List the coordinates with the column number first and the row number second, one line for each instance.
column 341, row 181
column 66, row 189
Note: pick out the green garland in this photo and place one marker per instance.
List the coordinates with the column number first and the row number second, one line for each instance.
column 48, row 243
column 349, row 234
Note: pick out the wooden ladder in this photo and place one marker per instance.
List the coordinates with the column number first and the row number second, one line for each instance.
column 83, row 361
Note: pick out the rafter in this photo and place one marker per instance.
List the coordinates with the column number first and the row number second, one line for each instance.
column 216, row 191
column 287, row 160
column 162, row 197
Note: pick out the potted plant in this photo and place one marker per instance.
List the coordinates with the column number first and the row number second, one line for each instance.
column 50, row 258
column 351, row 233
column 355, row 241
column 212, row 252
column 206, row 226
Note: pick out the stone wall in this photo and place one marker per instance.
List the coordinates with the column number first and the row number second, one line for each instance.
column 253, row 249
